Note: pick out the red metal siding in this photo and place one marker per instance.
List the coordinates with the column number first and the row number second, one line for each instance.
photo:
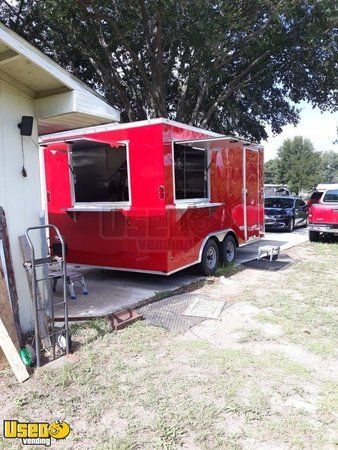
column 189, row 229
column 120, row 238
column 153, row 235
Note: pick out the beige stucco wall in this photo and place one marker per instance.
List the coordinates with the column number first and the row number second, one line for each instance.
column 20, row 197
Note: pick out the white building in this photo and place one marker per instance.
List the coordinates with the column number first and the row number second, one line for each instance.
column 31, row 84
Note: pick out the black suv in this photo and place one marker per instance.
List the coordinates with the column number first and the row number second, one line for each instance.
column 285, row 213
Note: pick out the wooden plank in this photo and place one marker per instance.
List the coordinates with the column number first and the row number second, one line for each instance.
column 9, row 342
column 42, row 318
column 12, row 354
column 6, row 316
column 13, row 296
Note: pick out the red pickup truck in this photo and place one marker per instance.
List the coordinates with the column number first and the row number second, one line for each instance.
column 323, row 212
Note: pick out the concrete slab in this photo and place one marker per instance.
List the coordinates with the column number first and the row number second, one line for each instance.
column 60, row 362
column 113, row 291
column 282, row 239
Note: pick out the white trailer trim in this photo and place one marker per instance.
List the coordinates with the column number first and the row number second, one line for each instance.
column 57, row 137
column 190, row 200
column 99, row 206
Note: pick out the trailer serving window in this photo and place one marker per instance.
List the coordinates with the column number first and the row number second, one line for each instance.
column 191, row 173
column 99, row 172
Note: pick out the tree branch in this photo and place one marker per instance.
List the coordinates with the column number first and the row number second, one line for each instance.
column 233, row 85
column 221, row 61
column 134, row 56
column 159, row 63
column 199, row 102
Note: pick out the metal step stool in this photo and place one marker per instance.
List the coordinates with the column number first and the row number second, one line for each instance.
column 72, row 277
column 268, row 252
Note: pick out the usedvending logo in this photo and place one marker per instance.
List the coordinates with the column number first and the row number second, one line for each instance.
column 36, row 433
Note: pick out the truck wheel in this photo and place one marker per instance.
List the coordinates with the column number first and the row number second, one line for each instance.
column 228, row 250
column 210, row 258
column 313, row 236
column 291, row 224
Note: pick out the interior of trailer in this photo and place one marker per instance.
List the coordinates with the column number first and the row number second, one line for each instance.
column 99, row 173
column 191, row 173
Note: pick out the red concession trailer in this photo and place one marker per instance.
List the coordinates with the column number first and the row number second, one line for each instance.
column 153, row 196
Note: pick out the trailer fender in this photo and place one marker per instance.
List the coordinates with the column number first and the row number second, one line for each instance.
column 233, row 234
column 218, row 236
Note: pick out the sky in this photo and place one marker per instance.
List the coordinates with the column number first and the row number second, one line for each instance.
column 320, row 128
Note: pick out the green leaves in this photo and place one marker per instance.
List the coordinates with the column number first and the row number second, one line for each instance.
column 271, row 172
column 330, row 167
column 229, row 66
column 298, row 165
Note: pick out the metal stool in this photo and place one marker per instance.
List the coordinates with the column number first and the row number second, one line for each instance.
column 268, row 252
column 72, row 277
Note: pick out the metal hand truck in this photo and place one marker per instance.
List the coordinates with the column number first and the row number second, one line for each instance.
column 57, row 337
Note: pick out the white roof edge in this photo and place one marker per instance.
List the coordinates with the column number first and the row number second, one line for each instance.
column 141, row 123
column 123, row 126
column 325, row 186
column 223, row 137
column 24, row 48
column 189, row 127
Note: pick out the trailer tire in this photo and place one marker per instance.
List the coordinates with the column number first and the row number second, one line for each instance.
column 313, row 236
column 210, row 258
column 228, row 249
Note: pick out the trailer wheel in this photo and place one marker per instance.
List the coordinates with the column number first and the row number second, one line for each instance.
column 313, row 236
column 228, row 250
column 210, row 258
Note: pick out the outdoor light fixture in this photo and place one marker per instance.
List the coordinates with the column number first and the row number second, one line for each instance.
column 26, row 125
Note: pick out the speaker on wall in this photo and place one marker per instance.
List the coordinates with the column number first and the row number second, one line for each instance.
column 26, row 125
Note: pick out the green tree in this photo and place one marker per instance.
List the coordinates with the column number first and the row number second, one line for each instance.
column 271, row 172
column 330, row 167
column 299, row 165
column 232, row 66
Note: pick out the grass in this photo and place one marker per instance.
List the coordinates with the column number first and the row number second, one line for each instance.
column 145, row 388
column 305, row 309
column 252, row 335
column 329, row 397
column 164, row 403
column 227, row 270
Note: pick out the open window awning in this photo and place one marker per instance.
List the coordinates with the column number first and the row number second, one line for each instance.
column 216, row 143
column 62, row 102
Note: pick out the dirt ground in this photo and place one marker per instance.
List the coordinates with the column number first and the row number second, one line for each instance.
column 262, row 376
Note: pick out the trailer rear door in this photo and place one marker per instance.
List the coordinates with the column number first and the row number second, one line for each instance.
column 251, row 193
column 250, row 219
